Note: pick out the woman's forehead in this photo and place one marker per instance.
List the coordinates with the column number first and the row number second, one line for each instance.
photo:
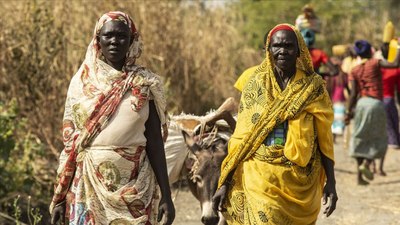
column 114, row 25
column 287, row 35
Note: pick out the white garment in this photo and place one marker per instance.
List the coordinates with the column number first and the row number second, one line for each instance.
column 119, row 129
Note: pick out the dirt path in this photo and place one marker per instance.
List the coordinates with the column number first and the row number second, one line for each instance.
column 375, row 204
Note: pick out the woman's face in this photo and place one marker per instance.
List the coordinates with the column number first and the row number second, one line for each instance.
column 284, row 49
column 115, row 38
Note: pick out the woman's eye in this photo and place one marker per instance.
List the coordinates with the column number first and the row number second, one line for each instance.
column 122, row 36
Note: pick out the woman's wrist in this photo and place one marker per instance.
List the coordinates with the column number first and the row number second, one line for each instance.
column 332, row 182
column 62, row 203
column 228, row 183
column 165, row 192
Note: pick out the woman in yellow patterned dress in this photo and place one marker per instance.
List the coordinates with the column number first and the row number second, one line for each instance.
column 113, row 161
column 280, row 157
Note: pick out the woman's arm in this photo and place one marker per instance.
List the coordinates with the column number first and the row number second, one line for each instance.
column 67, row 162
column 156, row 154
column 333, row 69
column 352, row 101
column 329, row 192
column 219, row 197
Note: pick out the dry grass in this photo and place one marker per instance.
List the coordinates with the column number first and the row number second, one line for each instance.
column 43, row 43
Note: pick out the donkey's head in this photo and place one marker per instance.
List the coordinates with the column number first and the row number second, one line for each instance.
column 204, row 164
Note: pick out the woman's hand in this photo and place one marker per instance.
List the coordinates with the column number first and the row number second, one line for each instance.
column 58, row 213
column 349, row 115
column 219, row 198
column 166, row 209
column 329, row 193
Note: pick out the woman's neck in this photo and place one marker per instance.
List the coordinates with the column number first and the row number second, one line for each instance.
column 283, row 76
column 116, row 65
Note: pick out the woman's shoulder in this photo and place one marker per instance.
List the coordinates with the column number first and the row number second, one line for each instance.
column 78, row 76
column 314, row 78
column 366, row 66
column 146, row 75
column 372, row 61
column 301, row 74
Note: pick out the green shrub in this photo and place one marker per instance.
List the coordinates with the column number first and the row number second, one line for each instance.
column 21, row 160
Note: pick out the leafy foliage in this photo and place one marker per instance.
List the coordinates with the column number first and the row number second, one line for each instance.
column 343, row 22
column 21, row 159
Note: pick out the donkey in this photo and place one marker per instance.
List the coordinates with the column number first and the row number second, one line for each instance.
column 196, row 147
column 204, row 161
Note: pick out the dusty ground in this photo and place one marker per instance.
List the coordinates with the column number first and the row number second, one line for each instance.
column 377, row 203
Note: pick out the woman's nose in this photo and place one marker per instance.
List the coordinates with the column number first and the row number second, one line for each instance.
column 283, row 51
column 113, row 40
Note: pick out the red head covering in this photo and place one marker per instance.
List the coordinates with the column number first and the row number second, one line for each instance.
column 281, row 27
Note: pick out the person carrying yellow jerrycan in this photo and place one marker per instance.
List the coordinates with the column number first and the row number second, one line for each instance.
column 388, row 37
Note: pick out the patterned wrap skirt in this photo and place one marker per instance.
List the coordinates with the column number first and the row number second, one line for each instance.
column 369, row 138
column 113, row 185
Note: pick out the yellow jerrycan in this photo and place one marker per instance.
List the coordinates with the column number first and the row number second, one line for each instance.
column 392, row 50
column 388, row 36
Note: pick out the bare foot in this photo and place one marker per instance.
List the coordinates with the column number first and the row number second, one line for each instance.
column 382, row 173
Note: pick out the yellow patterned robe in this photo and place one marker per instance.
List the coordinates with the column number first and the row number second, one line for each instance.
column 279, row 184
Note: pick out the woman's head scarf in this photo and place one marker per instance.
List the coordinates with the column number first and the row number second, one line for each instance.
column 309, row 36
column 95, row 77
column 362, row 48
column 303, row 62
column 135, row 49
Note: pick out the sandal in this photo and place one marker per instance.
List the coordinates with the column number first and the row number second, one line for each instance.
column 362, row 182
column 366, row 172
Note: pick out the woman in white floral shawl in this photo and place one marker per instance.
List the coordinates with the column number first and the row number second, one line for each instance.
column 113, row 163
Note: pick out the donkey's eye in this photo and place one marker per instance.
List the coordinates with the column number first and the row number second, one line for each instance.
column 195, row 148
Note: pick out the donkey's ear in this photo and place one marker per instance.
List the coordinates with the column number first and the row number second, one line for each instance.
column 190, row 142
